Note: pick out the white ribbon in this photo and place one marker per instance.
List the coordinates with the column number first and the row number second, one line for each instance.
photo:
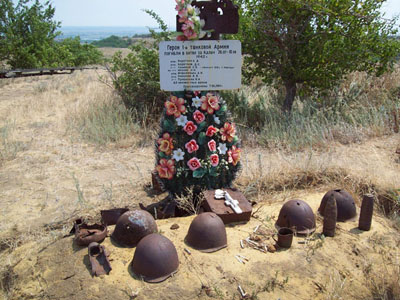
column 229, row 201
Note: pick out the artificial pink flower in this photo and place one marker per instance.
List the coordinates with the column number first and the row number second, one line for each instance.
column 166, row 168
column 198, row 116
column 166, row 144
column 194, row 163
column 175, row 106
column 228, row 132
column 190, row 128
column 210, row 103
column 190, row 34
column 234, row 155
column 214, row 158
column 212, row 145
column 181, row 38
column 211, row 130
column 192, row 146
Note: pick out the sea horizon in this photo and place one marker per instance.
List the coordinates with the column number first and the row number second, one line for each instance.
column 89, row 34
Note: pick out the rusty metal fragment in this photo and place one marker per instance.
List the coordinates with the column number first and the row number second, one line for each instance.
column 111, row 216
column 98, row 258
column 155, row 258
column 346, row 207
column 366, row 212
column 330, row 215
column 207, row 233
column 297, row 215
column 86, row 234
column 132, row 226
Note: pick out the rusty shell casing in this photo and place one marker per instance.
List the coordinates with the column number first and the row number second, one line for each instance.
column 298, row 216
column 346, row 207
column 207, row 233
column 155, row 258
column 330, row 216
column 132, row 226
column 366, row 212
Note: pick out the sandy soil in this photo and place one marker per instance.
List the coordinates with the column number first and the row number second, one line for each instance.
column 53, row 177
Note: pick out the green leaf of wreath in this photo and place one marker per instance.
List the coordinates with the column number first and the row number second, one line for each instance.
column 169, row 126
column 202, row 138
column 199, row 173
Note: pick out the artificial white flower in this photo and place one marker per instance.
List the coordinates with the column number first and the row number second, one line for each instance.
column 222, row 148
column 216, row 120
column 182, row 120
column 197, row 102
column 178, row 154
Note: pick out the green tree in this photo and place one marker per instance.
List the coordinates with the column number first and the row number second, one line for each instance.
column 27, row 38
column 314, row 42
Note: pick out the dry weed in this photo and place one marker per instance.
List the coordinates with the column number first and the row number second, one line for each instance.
column 384, row 284
column 190, row 201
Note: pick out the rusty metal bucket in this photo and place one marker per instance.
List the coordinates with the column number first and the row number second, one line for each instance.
column 285, row 237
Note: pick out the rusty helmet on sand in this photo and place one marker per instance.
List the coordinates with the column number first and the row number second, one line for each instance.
column 155, row 258
column 297, row 215
column 132, row 226
column 346, row 207
column 207, row 233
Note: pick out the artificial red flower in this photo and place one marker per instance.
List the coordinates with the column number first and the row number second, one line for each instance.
column 190, row 128
column 212, row 145
column 166, row 168
column 228, row 132
column 175, row 106
column 234, row 155
column 214, row 158
column 198, row 116
column 181, row 38
column 211, row 130
column 210, row 103
column 191, row 146
column 194, row 163
column 166, row 144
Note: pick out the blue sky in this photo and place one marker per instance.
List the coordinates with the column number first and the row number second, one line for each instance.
column 129, row 12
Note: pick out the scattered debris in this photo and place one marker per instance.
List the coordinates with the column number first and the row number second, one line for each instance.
column 242, row 292
column 187, row 251
column 174, row 226
column 239, row 259
column 241, row 244
column 271, row 248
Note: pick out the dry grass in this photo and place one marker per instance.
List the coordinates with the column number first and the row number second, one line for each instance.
column 62, row 172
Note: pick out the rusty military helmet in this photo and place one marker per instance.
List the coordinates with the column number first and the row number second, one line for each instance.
column 297, row 215
column 155, row 258
column 132, row 226
column 346, row 208
column 207, row 233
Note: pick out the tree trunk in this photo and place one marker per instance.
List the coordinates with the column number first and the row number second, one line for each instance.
column 290, row 94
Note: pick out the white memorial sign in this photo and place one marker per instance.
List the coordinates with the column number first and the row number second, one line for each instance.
column 200, row 65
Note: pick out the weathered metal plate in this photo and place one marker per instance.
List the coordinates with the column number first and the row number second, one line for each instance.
column 225, row 212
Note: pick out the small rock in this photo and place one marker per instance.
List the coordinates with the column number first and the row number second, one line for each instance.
column 271, row 248
column 174, row 226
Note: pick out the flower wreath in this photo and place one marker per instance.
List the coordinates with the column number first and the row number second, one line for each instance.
column 198, row 143
column 189, row 17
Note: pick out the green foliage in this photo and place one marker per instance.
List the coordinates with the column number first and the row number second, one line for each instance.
column 136, row 77
column 27, row 33
column 113, row 41
column 314, row 42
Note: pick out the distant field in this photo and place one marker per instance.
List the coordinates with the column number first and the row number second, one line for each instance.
column 108, row 52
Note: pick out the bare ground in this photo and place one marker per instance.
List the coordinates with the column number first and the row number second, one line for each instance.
column 49, row 176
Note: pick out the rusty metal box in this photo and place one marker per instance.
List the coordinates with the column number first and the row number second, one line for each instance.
column 225, row 212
